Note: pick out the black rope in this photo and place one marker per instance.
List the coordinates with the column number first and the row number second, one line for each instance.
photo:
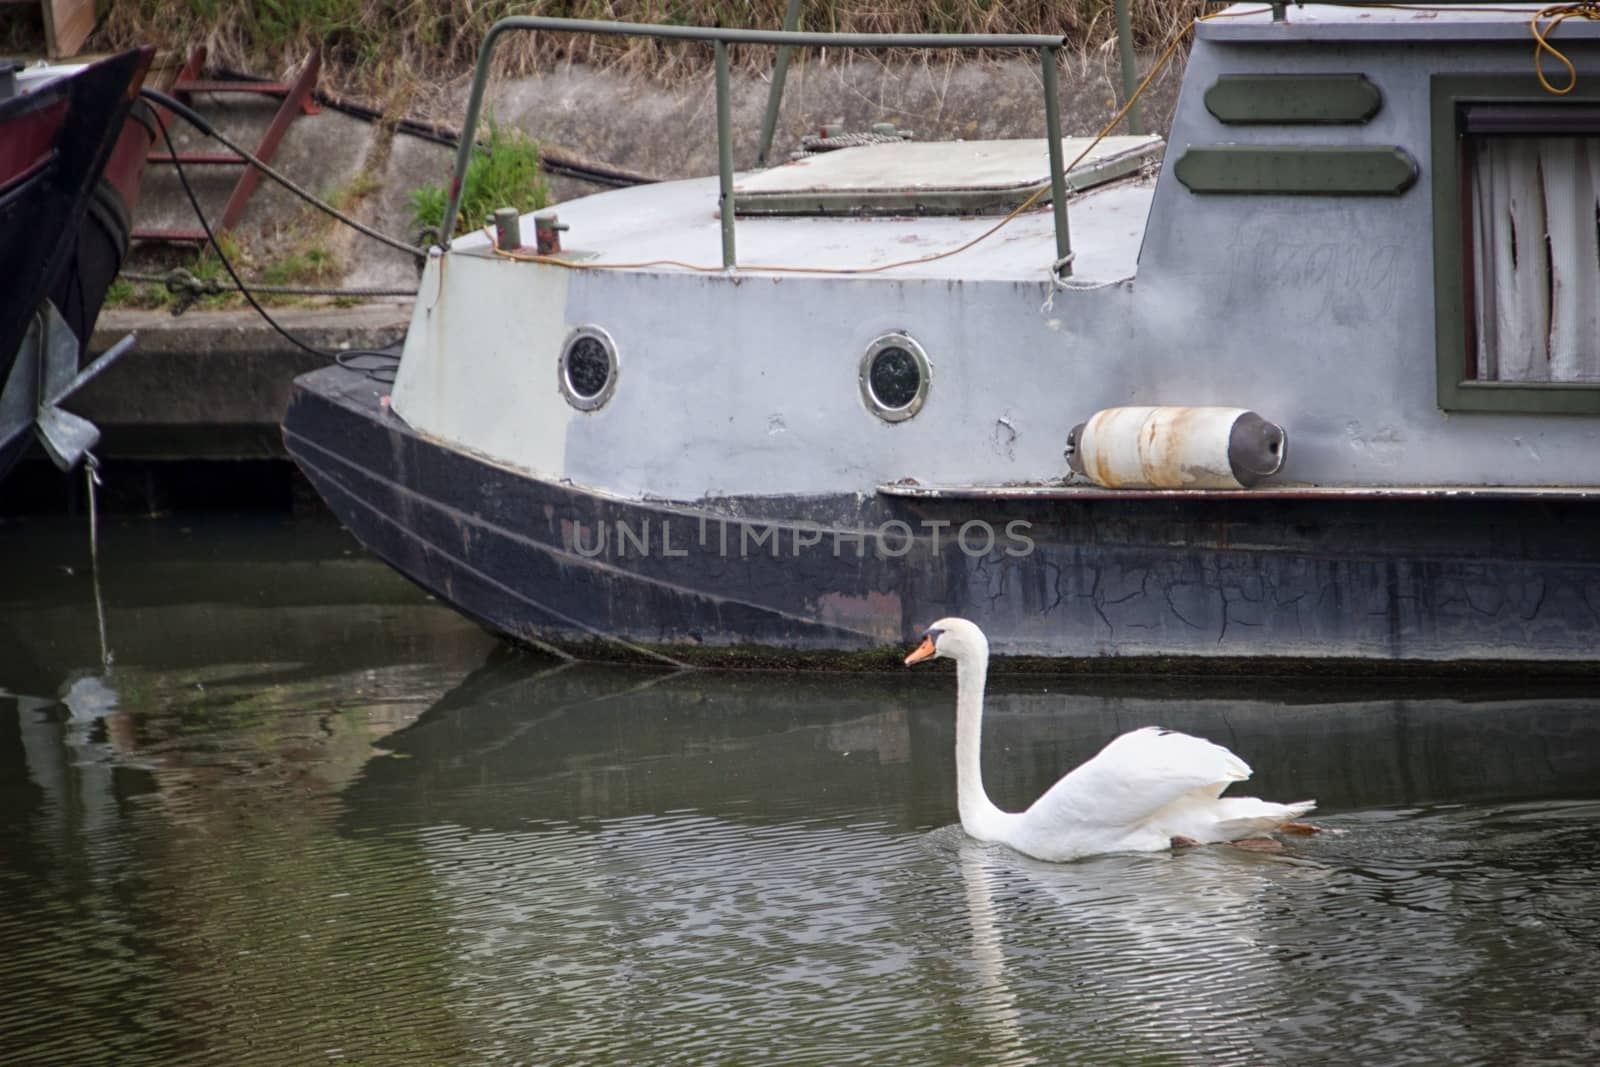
column 183, row 283
column 198, row 121
column 379, row 366
column 387, row 361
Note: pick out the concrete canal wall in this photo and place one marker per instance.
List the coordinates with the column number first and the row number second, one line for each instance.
column 214, row 384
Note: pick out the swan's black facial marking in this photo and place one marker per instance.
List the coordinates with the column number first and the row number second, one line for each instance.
column 933, row 633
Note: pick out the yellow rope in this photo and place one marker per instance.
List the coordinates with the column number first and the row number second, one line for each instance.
column 1105, row 130
column 1557, row 14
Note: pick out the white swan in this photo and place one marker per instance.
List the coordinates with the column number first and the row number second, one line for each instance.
column 1144, row 792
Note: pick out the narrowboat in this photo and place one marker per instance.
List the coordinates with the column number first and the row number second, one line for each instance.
column 1312, row 382
column 70, row 161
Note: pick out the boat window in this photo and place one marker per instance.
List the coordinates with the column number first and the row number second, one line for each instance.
column 894, row 377
column 588, row 369
column 1536, row 258
column 1521, row 278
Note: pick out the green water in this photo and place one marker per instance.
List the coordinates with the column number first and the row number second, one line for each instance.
column 308, row 815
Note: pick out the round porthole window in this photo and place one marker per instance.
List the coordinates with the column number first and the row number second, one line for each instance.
column 894, row 377
column 588, row 370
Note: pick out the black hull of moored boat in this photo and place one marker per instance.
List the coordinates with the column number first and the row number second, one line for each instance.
column 63, row 216
column 1196, row 583
column 76, row 123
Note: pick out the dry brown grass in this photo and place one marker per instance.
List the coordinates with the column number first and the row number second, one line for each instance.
column 381, row 49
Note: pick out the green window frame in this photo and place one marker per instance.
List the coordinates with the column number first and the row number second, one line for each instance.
column 1452, row 262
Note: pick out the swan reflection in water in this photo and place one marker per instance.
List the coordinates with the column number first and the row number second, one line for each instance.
column 810, row 924
column 598, row 866
column 633, row 868
column 1162, row 957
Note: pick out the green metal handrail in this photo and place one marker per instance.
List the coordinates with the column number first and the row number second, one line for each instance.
column 1129, row 64
column 791, row 21
column 1126, row 58
column 780, row 74
column 785, row 40
column 1047, row 46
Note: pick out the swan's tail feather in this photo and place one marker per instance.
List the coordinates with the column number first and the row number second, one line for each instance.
column 1242, row 817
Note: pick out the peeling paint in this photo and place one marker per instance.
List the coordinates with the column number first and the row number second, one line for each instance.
column 878, row 614
column 1385, row 445
column 1004, row 438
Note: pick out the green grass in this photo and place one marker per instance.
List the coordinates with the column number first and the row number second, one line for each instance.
column 204, row 265
column 308, row 265
column 345, row 197
column 122, row 293
column 505, row 173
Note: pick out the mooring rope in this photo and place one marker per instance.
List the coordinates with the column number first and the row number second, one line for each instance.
column 337, row 356
column 1556, row 15
column 185, row 283
column 91, row 472
column 198, row 121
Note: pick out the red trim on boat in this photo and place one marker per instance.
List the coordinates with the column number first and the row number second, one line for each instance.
column 28, row 142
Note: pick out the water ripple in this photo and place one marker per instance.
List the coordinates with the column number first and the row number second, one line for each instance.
column 514, row 885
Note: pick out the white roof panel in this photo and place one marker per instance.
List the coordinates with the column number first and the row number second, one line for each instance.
column 934, row 177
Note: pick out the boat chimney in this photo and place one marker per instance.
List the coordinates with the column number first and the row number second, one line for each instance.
column 507, row 229
column 547, row 233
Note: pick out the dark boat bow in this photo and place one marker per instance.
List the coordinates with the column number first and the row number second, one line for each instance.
column 55, row 142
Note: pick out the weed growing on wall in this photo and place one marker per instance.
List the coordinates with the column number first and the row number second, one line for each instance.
column 504, row 172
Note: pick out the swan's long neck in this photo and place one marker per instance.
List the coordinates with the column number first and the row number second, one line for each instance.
column 979, row 816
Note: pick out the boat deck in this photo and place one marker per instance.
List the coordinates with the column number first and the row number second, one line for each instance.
column 650, row 225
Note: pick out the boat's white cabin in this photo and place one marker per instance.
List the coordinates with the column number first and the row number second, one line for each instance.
column 1331, row 242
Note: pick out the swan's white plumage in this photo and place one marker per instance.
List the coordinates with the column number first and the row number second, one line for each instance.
column 1141, row 791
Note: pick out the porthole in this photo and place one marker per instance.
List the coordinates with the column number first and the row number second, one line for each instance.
column 894, row 377
column 588, row 368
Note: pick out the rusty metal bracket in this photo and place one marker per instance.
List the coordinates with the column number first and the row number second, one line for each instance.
column 296, row 100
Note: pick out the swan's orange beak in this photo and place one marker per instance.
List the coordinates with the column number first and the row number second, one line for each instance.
column 922, row 652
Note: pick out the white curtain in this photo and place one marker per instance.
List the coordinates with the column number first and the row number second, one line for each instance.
column 1536, row 205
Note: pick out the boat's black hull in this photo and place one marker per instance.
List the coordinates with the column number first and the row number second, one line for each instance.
column 1189, row 583
column 69, row 128
column 63, row 229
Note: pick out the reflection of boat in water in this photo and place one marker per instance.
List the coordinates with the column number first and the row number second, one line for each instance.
column 621, row 741
column 270, row 604
column 616, row 844
column 831, row 435
column 69, row 170
column 262, row 640
column 517, row 740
